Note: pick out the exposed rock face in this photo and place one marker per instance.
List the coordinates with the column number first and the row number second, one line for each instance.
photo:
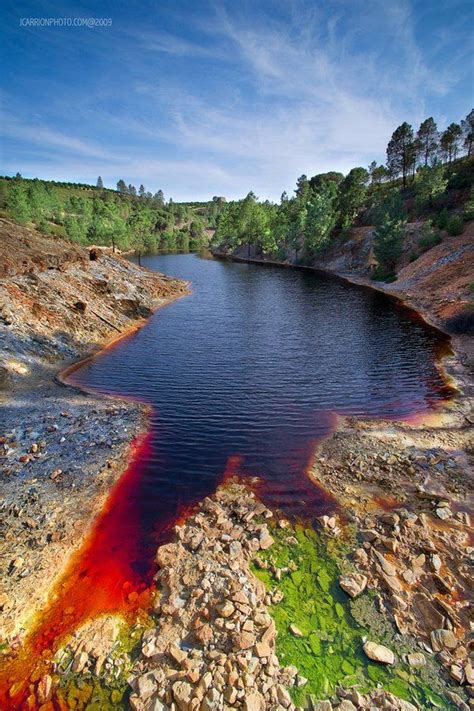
column 214, row 644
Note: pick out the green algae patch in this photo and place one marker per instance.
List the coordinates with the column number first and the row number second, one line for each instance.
column 106, row 689
column 305, row 566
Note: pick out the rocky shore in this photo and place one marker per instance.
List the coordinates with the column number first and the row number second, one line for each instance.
column 61, row 449
column 367, row 610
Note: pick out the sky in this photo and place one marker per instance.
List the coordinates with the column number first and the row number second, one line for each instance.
column 219, row 98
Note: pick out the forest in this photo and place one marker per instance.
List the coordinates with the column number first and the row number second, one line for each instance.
column 427, row 175
column 125, row 219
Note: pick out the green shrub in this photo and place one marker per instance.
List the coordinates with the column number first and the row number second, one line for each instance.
column 468, row 213
column 455, row 225
column 442, row 219
column 429, row 237
column 381, row 273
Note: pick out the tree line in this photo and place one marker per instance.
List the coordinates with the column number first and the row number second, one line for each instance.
column 421, row 166
column 122, row 219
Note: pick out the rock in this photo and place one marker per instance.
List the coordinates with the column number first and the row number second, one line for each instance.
column 225, row 609
column 177, row 654
column 295, row 631
column 263, row 649
column 283, row 696
column 211, row 701
column 444, row 512
column 323, row 706
column 265, row 539
column 386, row 566
column 456, row 672
column 379, row 653
column 443, row 639
column 244, row 640
column 43, row 690
column 146, row 685
column 391, row 582
column 353, row 584
column 17, row 563
column 435, row 561
column 182, row 694
column 416, row 659
column 346, row 705
column 80, row 661
column 254, row 701
column 469, row 672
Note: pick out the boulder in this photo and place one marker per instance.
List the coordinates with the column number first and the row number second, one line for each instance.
column 353, row 584
column 379, row 653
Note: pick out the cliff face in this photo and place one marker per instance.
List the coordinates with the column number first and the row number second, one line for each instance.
column 59, row 300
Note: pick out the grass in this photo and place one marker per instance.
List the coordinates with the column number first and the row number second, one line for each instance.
column 330, row 652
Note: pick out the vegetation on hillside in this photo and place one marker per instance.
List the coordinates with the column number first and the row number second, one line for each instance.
column 423, row 178
column 126, row 218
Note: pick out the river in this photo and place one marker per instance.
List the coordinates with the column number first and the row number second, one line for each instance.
column 246, row 374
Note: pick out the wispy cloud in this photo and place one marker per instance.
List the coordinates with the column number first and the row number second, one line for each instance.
column 234, row 97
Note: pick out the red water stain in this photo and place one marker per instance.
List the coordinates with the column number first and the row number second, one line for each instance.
column 101, row 577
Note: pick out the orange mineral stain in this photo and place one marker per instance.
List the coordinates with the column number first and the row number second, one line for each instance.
column 101, row 577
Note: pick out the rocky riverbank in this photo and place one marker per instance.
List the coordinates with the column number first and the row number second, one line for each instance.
column 61, row 449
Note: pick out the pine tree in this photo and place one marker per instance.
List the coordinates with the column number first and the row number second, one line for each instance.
column 388, row 234
column 428, row 138
column 450, row 141
column 141, row 190
column 122, row 187
column 100, row 183
column 467, row 126
column 401, row 152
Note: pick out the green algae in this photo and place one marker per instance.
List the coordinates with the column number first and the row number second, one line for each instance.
column 109, row 690
column 330, row 654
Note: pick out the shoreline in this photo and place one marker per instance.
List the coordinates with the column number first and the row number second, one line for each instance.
column 77, row 445
column 344, row 427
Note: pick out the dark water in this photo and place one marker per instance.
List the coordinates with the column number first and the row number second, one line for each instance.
column 246, row 374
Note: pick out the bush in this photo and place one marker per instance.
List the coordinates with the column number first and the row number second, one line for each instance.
column 455, row 225
column 429, row 237
column 468, row 213
column 380, row 273
column 442, row 219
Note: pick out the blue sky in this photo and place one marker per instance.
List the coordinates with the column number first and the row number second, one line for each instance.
column 214, row 98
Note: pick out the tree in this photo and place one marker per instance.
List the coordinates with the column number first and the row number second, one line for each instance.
column 159, row 198
column 467, row 126
column 428, row 138
column 18, row 205
column 430, row 182
column 296, row 219
column 401, row 152
column 141, row 190
column 450, row 141
column 352, row 194
column 317, row 181
column 321, row 218
column 100, row 183
column 121, row 187
column 379, row 174
column 388, row 234
column 284, row 196
column 303, row 188
column 132, row 190
column 141, row 224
